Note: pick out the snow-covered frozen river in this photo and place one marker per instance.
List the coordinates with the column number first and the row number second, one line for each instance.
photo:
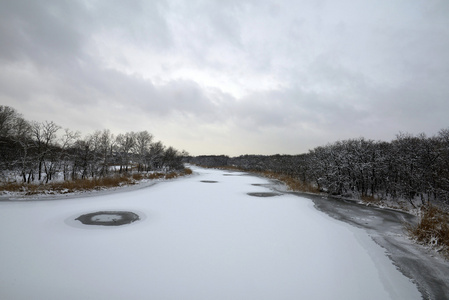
column 200, row 237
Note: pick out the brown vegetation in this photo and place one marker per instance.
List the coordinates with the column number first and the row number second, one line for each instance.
column 71, row 186
column 433, row 229
column 187, row 171
column 292, row 183
column 156, row 175
column 137, row 176
column 171, row 175
column 67, row 186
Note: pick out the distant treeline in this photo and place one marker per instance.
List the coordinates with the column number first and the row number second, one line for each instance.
column 35, row 151
column 415, row 168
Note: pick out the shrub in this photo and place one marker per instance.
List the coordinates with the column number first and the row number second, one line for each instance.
column 292, row 183
column 66, row 186
column 156, row 175
column 113, row 181
column 137, row 176
column 187, row 171
column 371, row 200
column 171, row 175
column 11, row 187
column 432, row 229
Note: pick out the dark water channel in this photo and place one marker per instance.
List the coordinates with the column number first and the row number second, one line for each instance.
column 387, row 228
column 427, row 269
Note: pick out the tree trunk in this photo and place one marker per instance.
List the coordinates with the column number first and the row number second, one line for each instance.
column 40, row 170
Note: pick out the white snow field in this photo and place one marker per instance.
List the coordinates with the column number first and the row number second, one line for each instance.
column 195, row 240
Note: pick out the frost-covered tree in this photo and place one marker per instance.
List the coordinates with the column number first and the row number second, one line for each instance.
column 8, row 117
column 441, row 170
column 66, row 154
column 142, row 146
column 156, row 155
column 105, row 146
column 44, row 138
column 124, row 144
column 172, row 159
column 14, row 138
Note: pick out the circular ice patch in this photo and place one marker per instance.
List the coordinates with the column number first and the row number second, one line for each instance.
column 108, row 218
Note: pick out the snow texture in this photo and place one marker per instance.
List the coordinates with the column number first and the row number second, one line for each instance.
column 194, row 240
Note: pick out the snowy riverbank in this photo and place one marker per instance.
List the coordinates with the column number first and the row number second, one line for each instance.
column 200, row 237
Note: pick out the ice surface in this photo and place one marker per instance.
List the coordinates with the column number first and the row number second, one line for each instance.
column 194, row 241
column 106, row 218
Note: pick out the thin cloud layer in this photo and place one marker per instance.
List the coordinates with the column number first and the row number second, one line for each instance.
column 230, row 77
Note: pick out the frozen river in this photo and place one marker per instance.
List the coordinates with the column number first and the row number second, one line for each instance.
column 208, row 236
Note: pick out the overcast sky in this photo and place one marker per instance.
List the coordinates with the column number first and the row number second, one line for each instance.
column 230, row 77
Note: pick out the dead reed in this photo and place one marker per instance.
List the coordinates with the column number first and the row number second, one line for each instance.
column 292, row 183
column 187, row 171
column 171, row 175
column 156, row 175
column 71, row 186
column 66, row 186
column 432, row 229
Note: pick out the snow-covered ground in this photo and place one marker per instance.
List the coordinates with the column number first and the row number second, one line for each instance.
column 196, row 239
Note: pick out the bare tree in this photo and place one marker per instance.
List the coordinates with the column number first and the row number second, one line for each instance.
column 44, row 137
column 25, row 159
column 65, row 157
column 94, row 153
column 124, row 144
column 8, row 115
column 172, row 159
column 82, row 158
column 105, row 147
column 156, row 155
column 442, row 166
column 142, row 148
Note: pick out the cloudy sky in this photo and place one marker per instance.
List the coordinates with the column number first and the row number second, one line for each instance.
column 230, row 76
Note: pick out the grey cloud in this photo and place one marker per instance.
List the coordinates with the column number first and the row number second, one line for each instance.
column 138, row 22
column 56, row 33
column 315, row 72
column 49, row 32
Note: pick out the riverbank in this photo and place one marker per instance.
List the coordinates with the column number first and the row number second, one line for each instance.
column 428, row 268
column 214, row 235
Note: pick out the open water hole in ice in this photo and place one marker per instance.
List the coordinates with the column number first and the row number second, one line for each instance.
column 194, row 241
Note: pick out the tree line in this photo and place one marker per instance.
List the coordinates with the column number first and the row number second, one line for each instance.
column 411, row 167
column 38, row 151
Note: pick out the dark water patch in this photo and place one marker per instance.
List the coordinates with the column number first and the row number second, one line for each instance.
column 209, row 181
column 108, row 218
column 264, row 194
column 235, row 174
column 386, row 227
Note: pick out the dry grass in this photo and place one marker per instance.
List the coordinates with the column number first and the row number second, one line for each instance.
column 292, row 183
column 171, row 175
column 71, row 186
column 187, row 171
column 371, row 200
column 137, row 176
column 66, row 186
column 433, row 229
column 156, row 175
column 11, row 187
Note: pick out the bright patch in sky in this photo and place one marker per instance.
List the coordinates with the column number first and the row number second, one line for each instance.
column 230, row 77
